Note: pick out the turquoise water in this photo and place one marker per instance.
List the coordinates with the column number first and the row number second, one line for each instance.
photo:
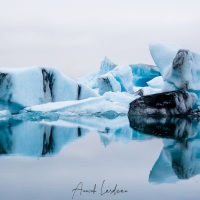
column 48, row 159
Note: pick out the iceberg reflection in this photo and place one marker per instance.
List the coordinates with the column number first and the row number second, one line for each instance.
column 35, row 139
column 166, row 127
column 43, row 138
column 180, row 156
column 178, row 160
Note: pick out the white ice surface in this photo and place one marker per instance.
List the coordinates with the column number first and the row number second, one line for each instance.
column 96, row 105
column 118, row 80
column 163, row 54
column 27, row 86
column 157, row 82
column 148, row 90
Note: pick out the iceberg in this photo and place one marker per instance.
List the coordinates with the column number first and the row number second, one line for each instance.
column 168, row 103
column 143, row 73
column 170, row 88
column 185, row 71
column 106, row 66
column 91, row 80
column 117, row 80
column 180, row 68
column 108, row 83
column 24, row 87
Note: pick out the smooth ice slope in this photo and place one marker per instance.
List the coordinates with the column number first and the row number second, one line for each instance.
column 157, row 82
column 163, row 54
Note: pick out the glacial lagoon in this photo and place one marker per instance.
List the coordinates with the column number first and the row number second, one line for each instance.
column 97, row 158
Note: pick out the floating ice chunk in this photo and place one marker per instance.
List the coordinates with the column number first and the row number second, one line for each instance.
column 163, row 55
column 117, row 80
column 142, row 73
column 91, row 106
column 32, row 86
column 157, row 82
column 168, row 103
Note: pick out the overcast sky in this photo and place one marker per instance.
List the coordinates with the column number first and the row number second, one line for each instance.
column 75, row 35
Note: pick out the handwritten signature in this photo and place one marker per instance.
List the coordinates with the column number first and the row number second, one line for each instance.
column 103, row 190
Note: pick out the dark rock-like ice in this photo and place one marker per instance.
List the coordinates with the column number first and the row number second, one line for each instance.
column 168, row 103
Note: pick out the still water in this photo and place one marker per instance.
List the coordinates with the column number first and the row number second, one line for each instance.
column 97, row 158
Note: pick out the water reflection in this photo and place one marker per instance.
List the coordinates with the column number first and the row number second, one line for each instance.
column 35, row 139
column 44, row 138
column 179, row 158
column 166, row 127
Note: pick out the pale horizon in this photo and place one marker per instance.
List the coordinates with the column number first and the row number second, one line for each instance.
column 75, row 36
